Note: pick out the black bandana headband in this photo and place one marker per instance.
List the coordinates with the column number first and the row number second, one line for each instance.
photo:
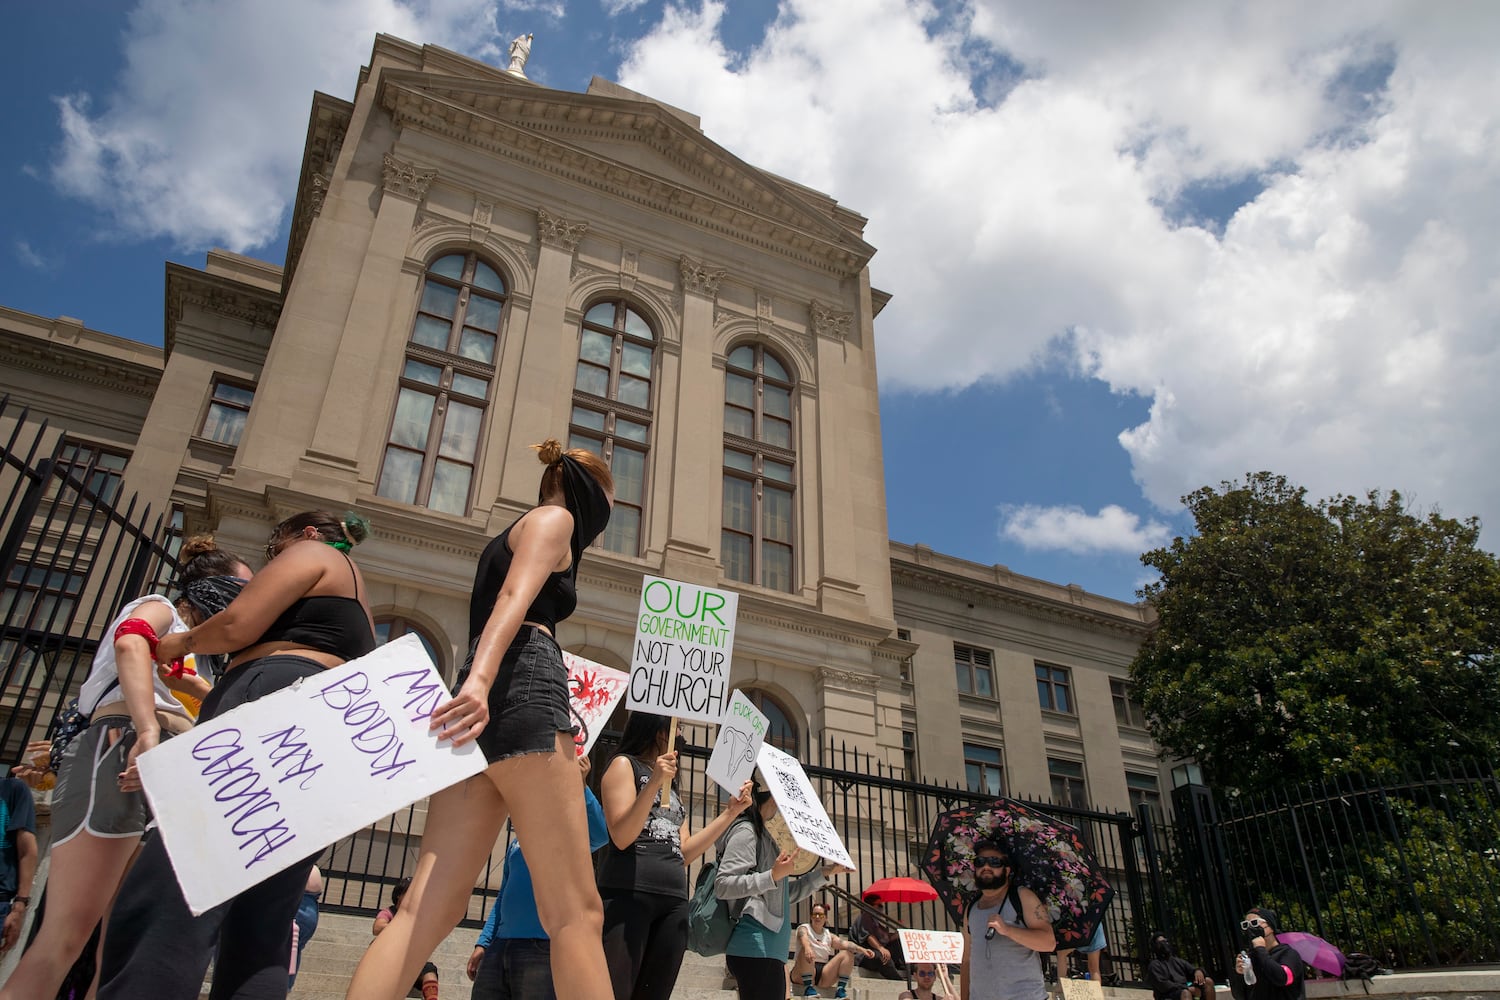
column 586, row 501
column 212, row 594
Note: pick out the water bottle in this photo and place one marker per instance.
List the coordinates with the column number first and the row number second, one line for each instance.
column 1249, row 969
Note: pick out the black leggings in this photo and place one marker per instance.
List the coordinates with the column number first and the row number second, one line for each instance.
column 645, row 935
column 155, row 947
column 757, row 978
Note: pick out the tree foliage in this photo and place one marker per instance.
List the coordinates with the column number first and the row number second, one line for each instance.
column 1296, row 639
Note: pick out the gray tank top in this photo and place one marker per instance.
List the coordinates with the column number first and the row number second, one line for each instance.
column 1001, row 969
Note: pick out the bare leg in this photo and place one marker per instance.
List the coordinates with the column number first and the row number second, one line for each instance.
column 800, row 965
column 841, row 964
column 86, row 873
column 545, row 795
column 93, row 990
column 462, row 824
column 1094, row 963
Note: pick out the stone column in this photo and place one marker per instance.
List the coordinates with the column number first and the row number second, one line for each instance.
column 331, row 463
column 693, row 536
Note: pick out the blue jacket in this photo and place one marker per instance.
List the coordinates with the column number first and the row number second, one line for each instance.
column 514, row 912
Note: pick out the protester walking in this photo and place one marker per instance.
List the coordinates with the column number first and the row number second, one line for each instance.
column 97, row 825
column 303, row 613
column 512, row 700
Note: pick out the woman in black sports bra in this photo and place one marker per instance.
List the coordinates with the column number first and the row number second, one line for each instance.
column 512, row 699
column 307, row 614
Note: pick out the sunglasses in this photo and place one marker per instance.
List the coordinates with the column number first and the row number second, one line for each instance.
column 1246, row 925
column 926, row 972
column 991, row 862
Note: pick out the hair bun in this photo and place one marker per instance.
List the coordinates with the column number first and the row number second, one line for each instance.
column 197, row 546
column 356, row 528
column 549, row 451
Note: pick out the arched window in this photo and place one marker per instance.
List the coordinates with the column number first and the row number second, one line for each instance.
column 388, row 627
column 759, row 469
column 445, row 386
column 612, row 409
column 782, row 733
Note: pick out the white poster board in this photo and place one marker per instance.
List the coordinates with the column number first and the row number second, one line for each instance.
column 593, row 691
column 267, row 784
column 937, row 947
column 684, row 642
column 799, row 805
column 741, row 733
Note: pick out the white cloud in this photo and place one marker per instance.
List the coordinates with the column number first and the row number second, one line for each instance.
column 1340, row 328
column 31, row 257
column 1071, row 529
column 193, row 143
column 615, row 8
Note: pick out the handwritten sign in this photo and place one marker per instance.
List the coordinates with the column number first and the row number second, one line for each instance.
column 593, row 692
column 741, row 732
column 799, row 805
column 937, row 947
column 1081, row 989
column 267, row 784
column 684, row 641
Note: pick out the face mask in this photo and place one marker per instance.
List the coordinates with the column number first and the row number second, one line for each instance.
column 1163, row 949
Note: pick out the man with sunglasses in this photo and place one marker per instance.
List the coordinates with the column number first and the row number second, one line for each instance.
column 1277, row 968
column 1004, row 930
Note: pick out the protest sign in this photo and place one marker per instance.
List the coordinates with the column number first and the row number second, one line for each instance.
column 938, row 947
column 741, row 732
column 267, row 784
column 593, row 692
column 1081, row 989
column 799, row 805
column 684, row 642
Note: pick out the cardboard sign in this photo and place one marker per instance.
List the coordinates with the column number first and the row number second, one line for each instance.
column 593, row 692
column 741, row 732
column 937, row 947
column 684, row 642
column 1081, row 989
column 267, row 784
column 799, row 805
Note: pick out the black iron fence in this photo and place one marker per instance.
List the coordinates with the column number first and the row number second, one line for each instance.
column 71, row 553
column 1403, row 866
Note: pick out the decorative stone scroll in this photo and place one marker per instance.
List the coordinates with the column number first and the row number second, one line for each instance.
column 406, row 179
column 829, row 322
column 699, row 277
column 556, row 231
column 846, row 679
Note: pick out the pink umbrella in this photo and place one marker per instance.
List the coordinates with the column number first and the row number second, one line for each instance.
column 1315, row 951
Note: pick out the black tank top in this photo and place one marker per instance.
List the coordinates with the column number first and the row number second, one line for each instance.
column 557, row 599
column 327, row 623
column 653, row 862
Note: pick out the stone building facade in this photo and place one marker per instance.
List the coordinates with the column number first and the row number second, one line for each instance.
column 477, row 263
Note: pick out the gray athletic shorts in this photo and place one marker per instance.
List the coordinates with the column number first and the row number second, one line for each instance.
column 88, row 795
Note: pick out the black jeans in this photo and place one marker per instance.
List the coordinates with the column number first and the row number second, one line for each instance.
column 155, row 947
column 757, row 978
column 645, row 935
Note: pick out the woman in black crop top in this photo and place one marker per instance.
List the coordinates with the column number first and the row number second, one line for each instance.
column 303, row 613
column 512, row 700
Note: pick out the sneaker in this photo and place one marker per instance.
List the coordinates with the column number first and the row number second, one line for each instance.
column 841, row 994
column 811, row 991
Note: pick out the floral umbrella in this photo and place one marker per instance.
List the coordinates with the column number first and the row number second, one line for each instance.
column 1049, row 858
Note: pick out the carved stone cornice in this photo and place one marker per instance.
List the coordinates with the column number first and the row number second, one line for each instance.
column 189, row 287
column 326, row 128
column 700, row 277
column 548, row 131
column 405, row 179
column 555, row 231
column 829, row 322
column 46, row 358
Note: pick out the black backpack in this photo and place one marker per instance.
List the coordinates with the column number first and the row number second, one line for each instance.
column 1360, row 966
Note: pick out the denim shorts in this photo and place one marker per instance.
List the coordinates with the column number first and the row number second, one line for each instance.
column 529, row 699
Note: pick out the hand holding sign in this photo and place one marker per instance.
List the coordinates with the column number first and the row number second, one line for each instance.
column 799, row 806
column 741, row 733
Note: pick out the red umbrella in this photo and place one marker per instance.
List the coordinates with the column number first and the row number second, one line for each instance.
column 899, row 890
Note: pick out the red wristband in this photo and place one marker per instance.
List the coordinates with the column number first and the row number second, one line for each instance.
column 140, row 627
column 180, row 668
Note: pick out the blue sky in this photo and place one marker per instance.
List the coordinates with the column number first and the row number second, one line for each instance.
column 1134, row 249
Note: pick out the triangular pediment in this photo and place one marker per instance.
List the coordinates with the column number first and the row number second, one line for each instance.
column 634, row 147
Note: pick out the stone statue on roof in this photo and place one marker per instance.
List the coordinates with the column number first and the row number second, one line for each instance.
column 520, row 51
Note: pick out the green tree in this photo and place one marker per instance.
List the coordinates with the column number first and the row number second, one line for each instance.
column 1297, row 639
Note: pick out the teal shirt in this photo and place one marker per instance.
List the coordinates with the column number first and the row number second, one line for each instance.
column 751, row 939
